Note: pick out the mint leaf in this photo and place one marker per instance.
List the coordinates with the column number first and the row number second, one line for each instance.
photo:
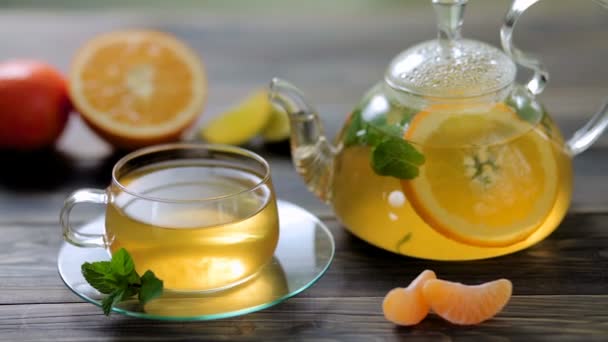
column 525, row 109
column 111, row 300
column 122, row 263
column 391, row 155
column 118, row 279
column 151, row 287
column 397, row 158
column 354, row 129
column 99, row 276
column 407, row 237
column 376, row 134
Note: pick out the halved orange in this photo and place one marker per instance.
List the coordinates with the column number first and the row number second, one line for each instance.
column 137, row 88
column 467, row 304
column 489, row 178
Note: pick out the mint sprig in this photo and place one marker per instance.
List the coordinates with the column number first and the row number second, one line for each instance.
column 397, row 158
column 391, row 155
column 118, row 280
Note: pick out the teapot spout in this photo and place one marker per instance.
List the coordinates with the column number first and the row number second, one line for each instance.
column 312, row 154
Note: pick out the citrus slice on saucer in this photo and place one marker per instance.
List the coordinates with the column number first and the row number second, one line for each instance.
column 489, row 178
column 241, row 123
column 138, row 88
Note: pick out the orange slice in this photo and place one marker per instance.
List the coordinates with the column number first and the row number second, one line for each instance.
column 464, row 304
column 137, row 88
column 407, row 306
column 489, row 178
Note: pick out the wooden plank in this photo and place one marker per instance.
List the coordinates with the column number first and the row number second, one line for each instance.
column 572, row 261
column 529, row 318
column 333, row 55
column 280, row 36
column 29, row 196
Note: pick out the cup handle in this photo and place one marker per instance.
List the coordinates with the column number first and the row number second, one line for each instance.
column 69, row 234
column 593, row 129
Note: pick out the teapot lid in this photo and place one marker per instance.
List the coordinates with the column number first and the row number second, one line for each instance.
column 450, row 66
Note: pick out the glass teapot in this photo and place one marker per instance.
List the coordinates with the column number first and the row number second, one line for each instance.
column 447, row 158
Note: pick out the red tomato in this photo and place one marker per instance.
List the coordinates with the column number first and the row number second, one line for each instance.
column 34, row 105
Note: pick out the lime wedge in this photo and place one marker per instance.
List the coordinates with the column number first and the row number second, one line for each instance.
column 277, row 128
column 242, row 123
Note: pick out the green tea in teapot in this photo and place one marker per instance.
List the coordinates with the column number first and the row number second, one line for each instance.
column 491, row 183
column 447, row 157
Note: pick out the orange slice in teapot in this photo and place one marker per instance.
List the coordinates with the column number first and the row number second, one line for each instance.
column 490, row 178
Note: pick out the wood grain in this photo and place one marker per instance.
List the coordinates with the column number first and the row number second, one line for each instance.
column 529, row 318
column 27, row 196
column 572, row 261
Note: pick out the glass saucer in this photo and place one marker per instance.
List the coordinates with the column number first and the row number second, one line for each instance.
column 304, row 253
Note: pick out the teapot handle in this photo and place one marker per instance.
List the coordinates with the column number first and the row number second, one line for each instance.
column 541, row 76
column 593, row 129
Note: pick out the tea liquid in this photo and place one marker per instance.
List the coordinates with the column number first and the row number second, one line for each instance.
column 377, row 209
column 194, row 245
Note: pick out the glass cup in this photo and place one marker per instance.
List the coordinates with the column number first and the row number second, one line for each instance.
column 202, row 217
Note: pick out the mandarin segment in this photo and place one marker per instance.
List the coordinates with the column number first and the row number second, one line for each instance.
column 407, row 306
column 467, row 304
column 137, row 88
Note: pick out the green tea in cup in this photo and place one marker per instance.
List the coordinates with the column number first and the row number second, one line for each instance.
column 201, row 217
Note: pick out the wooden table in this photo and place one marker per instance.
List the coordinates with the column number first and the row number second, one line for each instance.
column 334, row 53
